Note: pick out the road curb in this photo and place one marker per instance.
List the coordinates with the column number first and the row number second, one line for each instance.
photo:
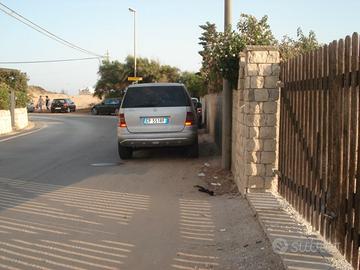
column 31, row 128
column 297, row 247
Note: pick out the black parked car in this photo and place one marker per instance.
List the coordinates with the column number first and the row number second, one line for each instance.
column 108, row 106
column 198, row 108
column 63, row 105
column 30, row 107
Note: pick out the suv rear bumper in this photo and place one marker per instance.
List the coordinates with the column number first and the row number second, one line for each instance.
column 138, row 140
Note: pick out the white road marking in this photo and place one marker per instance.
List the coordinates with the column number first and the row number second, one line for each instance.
column 197, row 256
column 37, row 259
column 44, row 253
column 22, row 134
column 70, row 252
column 118, row 243
column 100, row 246
column 31, row 227
column 196, row 262
column 86, row 249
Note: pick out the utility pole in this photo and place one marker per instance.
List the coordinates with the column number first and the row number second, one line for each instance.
column 135, row 60
column 12, row 106
column 226, row 103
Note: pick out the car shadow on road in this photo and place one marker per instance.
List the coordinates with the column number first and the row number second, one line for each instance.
column 207, row 148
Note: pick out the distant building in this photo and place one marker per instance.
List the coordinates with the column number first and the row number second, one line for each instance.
column 85, row 91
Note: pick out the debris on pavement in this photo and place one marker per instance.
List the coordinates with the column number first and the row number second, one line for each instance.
column 205, row 190
column 216, row 184
column 217, row 180
column 223, row 230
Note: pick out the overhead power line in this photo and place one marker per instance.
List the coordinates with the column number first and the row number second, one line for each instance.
column 7, row 10
column 49, row 61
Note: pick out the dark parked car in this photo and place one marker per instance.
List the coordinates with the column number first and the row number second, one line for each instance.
column 30, row 107
column 198, row 108
column 108, row 106
column 63, row 105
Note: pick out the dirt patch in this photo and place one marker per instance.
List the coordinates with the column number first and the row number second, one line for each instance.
column 217, row 180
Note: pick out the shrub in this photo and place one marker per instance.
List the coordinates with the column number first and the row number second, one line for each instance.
column 4, row 97
column 21, row 99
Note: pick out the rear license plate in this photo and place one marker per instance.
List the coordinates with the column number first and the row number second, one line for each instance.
column 58, row 108
column 155, row 120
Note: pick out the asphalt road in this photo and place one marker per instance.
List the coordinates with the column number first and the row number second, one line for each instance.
column 68, row 202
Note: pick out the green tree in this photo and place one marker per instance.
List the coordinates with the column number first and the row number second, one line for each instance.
column 194, row 83
column 16, row 80
column 221, row 50
column 4, row 96
column 113, row 77
column 169, row 74
column 210, row 70
column 290, row 47
column 254, row 31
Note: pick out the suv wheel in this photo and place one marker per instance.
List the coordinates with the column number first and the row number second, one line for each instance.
column 193, row 150
column 125, row 152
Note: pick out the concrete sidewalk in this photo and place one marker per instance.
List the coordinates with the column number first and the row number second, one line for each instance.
column 298, row 247
column 31, row 128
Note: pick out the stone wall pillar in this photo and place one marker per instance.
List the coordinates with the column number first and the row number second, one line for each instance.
column 257, row 119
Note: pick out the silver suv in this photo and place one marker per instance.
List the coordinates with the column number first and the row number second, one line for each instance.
column 157, row 115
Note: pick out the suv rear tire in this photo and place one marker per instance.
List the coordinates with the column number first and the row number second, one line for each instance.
column 193, row 150
column 125, row 152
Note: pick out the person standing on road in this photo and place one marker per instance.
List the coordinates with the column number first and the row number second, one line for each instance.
column 40, row 103
column 47, row 103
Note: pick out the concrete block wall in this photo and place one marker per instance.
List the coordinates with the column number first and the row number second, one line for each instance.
column 5, row 122
column 21, row 120
column 212, row 105
column 256, row 119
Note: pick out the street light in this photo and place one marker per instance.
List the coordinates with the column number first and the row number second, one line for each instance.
column 134, row 12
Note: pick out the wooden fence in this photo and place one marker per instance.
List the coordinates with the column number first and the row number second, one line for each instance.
column 319, row 156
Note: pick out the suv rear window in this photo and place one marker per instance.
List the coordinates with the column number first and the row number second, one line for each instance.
column 59, row 101
column 156, row 96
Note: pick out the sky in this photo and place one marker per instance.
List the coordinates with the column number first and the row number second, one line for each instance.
column 167, row 31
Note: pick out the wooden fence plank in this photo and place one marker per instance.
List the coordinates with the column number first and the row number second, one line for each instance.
column 301, row 128
column 304, row 119
column 322, row 134
column 334, row 140
column 341, row 209
column 347, row 185
column 297, row 144
column 355, row 127
column 317, row 165
column 307, row 137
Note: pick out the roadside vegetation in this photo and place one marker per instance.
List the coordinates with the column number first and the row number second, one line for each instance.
column 220, row 59
column 114, row 76
column 220, row 50
column 13, row 79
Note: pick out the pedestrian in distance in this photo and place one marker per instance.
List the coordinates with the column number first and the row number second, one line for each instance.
column 40, row 103
column 47, row 103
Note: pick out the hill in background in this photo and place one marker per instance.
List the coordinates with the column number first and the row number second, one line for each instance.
column 81, row 101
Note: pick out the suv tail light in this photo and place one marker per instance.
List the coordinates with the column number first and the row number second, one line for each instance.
column 122, row 122
column 190, row 119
